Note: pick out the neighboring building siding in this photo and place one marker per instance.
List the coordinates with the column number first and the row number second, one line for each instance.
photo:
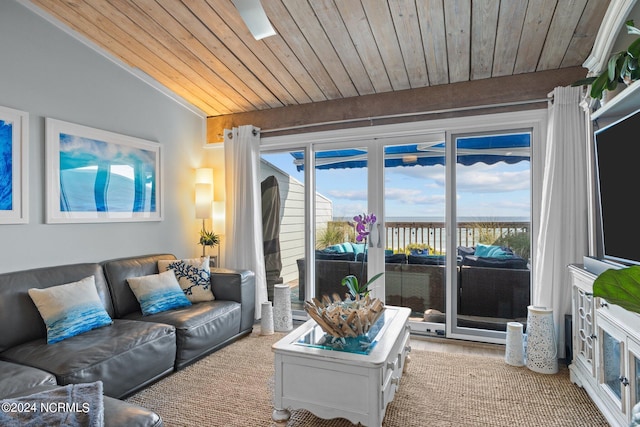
column 292, row 232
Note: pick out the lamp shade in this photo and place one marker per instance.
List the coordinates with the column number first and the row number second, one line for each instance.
column 204, row 193
column 204, row 176
column 203, row 201
column 218, row 217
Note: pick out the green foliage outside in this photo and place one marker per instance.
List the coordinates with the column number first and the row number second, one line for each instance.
column 519, row 242
column 413, row 246
column 337, row 232
column 334, row 233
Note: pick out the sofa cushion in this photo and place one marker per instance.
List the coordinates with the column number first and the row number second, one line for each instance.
column 200, row 328
column 70, row 309
column 346, row 247
column 427, row 259
column 335, row 249
column 194, row 277
column 118, row 270
column 466, row 250
column 388, row 258
column 16, row 379
column 158, row 292
column 346, row 256
column 19, row 318
column 118, row 354
column 514, row 262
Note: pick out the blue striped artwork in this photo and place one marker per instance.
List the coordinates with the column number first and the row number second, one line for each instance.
column 6, row 165
column 100, row 176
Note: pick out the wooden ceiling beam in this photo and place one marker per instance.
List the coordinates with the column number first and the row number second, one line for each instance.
column 472, row 97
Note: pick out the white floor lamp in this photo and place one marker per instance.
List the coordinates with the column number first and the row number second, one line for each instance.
column 204, row 197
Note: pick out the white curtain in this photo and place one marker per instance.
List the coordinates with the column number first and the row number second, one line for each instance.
column 562, row 235
column 244, row 248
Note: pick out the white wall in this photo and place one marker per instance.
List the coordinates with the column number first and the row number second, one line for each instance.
column 48, row 73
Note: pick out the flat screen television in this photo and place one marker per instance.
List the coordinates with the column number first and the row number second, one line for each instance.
column 617, row 155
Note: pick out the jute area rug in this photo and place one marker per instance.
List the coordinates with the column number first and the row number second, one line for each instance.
column 234, row 387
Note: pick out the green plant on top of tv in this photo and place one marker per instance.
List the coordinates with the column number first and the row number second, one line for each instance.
column 622, row 67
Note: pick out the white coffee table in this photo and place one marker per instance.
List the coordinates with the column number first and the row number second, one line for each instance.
column 332, row 383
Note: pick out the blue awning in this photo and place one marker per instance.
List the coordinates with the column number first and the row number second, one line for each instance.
column 510, row 149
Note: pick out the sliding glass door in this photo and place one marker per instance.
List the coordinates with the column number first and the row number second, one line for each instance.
column 340, row 194
column 415, row 232
column 491, row 205
column 284, row 222
column 453, row 206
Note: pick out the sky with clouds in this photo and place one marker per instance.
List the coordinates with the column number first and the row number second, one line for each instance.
column 483, row 191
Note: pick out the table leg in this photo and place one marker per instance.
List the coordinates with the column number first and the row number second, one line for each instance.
column 280, row 415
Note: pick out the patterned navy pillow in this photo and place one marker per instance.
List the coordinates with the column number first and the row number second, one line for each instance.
column 193, row 275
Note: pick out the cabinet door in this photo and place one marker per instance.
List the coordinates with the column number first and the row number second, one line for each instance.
column 633, row 372
column 584, row 329
column 611, row 369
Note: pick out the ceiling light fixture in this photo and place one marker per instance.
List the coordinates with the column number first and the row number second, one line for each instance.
column 255, row 18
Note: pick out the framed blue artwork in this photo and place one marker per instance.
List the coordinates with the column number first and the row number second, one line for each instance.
column 14, row 141
column 99, row 176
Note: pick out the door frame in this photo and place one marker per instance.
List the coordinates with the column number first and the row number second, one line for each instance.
column 535, row 119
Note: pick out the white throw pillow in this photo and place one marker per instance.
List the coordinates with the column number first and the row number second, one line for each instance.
column 158, row 292
column 194, row 276
column 70, row 309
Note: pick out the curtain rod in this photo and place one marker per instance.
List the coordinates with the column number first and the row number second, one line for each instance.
column 392, row 116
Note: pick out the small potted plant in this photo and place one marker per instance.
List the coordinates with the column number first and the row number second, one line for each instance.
column 208, row 238
column 621, row 68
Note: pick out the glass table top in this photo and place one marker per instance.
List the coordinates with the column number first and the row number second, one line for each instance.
column 362, row 344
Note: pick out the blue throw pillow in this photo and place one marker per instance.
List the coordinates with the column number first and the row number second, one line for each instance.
column 419, row 252
column 70, row 309
column 158, row 292
column 358, row 248
column 491, row 251
column 482, row 250
column 334, row 249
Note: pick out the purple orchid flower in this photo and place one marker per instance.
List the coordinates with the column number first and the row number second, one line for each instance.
column 363, row 223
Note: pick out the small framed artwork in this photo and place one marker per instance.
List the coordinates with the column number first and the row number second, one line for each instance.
column 99, row 176
column 14, row 142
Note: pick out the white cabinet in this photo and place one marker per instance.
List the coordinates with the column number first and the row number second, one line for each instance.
column 606, row 350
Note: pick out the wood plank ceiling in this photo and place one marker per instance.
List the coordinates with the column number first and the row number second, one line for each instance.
column 325, row 50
